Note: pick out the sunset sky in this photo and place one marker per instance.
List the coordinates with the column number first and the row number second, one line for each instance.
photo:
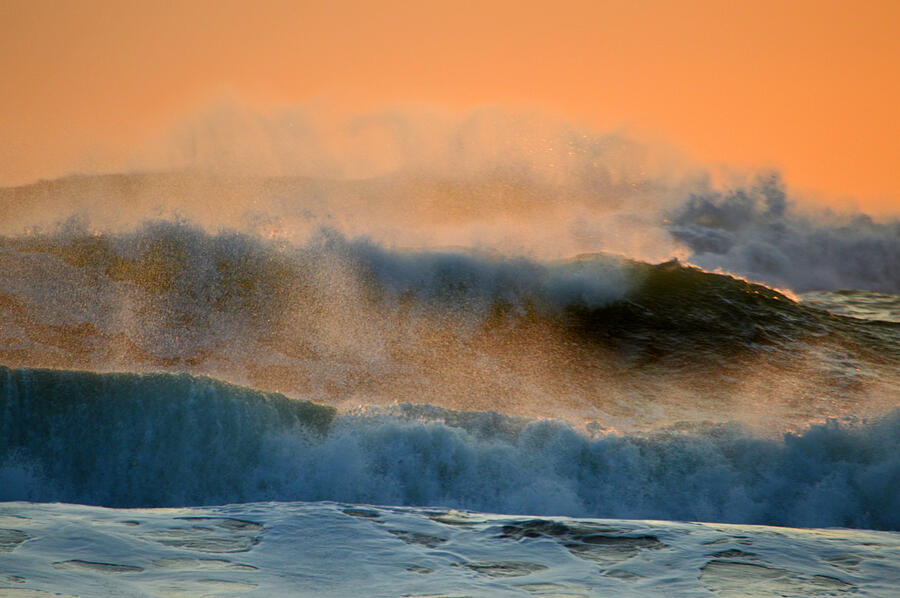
column 810, row 87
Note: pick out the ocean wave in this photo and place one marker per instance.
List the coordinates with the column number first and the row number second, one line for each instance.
column 172, row 440
column 519, row 181
column 349, row 321
column 751, row 226
column 185, row 274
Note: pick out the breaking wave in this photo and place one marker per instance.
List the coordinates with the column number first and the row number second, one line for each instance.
column 520, row 184
column 186, row 276
column 499, row 313
column 348, row 322
column 172, row 440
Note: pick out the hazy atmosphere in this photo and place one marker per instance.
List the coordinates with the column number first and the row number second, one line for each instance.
column 804, row 87
column 449, row 299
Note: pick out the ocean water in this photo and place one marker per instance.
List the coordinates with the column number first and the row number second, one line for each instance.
column 334, row 549
column 193, row 406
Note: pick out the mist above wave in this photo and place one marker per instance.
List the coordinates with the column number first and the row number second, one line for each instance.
column 519, row 183
column 349, row 321
column 755, row 231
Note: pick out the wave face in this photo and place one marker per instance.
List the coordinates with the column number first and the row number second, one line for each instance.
column 136, row 439
column 130, row 440
column 349, row 322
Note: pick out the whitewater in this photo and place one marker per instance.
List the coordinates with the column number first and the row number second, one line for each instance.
column 535, row 372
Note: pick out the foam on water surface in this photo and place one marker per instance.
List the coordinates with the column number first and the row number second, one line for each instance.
column 331, row 549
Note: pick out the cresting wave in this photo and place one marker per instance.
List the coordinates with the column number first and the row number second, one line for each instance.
column 348, row 322
column 168, row 440
column 178, row 272
column 750, row 228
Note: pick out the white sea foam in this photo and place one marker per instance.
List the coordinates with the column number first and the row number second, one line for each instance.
column 128, row 440
column 328, row 549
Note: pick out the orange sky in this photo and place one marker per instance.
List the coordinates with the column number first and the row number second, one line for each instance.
column 811, row 87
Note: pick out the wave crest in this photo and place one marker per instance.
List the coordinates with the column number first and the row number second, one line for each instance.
column 162, row 440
